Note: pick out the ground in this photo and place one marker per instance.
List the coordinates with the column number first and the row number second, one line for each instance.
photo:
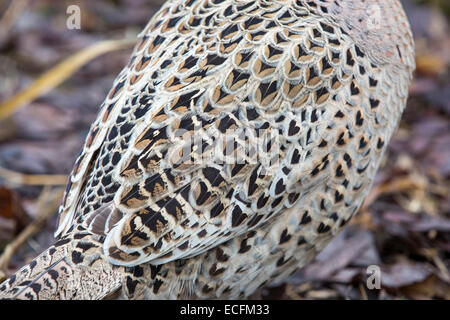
column 402, row 231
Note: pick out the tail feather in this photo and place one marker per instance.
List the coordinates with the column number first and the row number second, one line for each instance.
column 55, row 275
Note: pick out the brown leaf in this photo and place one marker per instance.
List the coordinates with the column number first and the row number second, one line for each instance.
column 12, row 216
column 431, row 287
column 402, row 274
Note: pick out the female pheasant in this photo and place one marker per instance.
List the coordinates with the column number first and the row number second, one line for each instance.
column 240, row 138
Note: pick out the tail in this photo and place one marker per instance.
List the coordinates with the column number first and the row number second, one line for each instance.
column 61, row 273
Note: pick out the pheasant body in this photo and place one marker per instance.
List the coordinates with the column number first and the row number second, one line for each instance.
column 241, row 137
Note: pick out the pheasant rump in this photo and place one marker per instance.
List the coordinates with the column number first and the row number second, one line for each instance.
column 241, row 137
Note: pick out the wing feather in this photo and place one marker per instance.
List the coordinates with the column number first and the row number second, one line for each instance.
column 213, row 134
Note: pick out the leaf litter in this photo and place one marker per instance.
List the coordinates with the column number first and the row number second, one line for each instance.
column 403, row 226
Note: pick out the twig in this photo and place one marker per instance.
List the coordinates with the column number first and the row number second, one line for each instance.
column 33, row 179
column 59, row 73
column 13, row 11
column 398, row 185
column 363, row 291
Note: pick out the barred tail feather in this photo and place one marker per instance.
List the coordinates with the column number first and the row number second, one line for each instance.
column 54, row 275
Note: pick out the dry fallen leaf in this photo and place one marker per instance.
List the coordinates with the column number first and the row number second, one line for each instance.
column 430, row 288
column 12, row 216
column 402, row 274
